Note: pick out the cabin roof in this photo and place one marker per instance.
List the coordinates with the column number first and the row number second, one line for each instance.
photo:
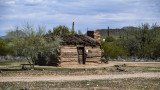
column 78, row 40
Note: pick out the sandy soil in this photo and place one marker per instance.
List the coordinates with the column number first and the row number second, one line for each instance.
column 97, row 65
column 88, row 77
column 110, row 63
column 74, row 78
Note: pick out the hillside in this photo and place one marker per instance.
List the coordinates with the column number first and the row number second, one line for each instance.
column 9, row 34
column 116, row 33
column 113, row 32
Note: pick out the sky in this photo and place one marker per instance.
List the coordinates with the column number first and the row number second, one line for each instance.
column 94, row 14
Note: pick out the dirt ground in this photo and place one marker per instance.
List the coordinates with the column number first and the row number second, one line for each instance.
column 88, row 77
column 109, row 64
column 97, row 65
column 78, row 78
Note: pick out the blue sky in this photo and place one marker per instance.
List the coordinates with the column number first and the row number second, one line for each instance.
column 94, row 14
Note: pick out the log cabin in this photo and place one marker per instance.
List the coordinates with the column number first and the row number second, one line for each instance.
column 79, row 49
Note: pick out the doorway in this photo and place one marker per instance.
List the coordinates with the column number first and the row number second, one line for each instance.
column 81, row 57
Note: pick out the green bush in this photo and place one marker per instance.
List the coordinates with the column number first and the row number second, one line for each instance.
column 156, row 52
column 112, row 50
column 142, row 41
column 4, row 49
column 109, row 39
column 129, row 45
column 61, row 30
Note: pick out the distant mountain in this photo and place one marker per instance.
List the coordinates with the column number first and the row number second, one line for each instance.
column 116, row 33
column 113, row 32
column 129, row 28
column 3, row 37
column 9, row 35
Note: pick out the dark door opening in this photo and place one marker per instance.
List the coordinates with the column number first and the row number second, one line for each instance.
column 81, row 58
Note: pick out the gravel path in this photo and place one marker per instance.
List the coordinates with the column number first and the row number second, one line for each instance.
column 84, row 77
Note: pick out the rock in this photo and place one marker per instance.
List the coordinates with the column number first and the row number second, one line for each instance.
column 116, row 65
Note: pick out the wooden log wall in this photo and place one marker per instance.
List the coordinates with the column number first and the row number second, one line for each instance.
column 69, row 54
column 94, row 54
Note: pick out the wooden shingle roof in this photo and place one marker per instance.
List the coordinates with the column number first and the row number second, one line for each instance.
column 79, row 40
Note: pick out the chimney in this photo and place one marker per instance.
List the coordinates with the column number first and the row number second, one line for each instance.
column 94, row 34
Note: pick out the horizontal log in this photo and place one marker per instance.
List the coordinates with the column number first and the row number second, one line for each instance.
column 69, row 59
column 93, row 59
column 68, row 50
column 67, row 47
column 97, row 47
column 69, row 54
column 93, row 55
column 94, row 51
column 91, row 62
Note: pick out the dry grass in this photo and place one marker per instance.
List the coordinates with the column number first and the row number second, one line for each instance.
column 13, row 68
column 92, row 69
column 116, row 84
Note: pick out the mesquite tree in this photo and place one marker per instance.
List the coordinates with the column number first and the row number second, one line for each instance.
column 61, row 30
column 30, row 43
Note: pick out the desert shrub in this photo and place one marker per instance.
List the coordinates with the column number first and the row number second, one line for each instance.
column 64, row 30
column 156, row 49
column 4, row 48
column 109, row 39
column 130, row 45
column 112, row 50
column 150, row 50
column 142, row 41
column 34, row 42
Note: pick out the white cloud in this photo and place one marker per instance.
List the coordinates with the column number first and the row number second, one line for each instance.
column 10, row 2
column 33, row 1
column 86, row 13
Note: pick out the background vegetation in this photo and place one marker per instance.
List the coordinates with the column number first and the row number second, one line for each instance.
column 31, row 43
column 141, row 42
